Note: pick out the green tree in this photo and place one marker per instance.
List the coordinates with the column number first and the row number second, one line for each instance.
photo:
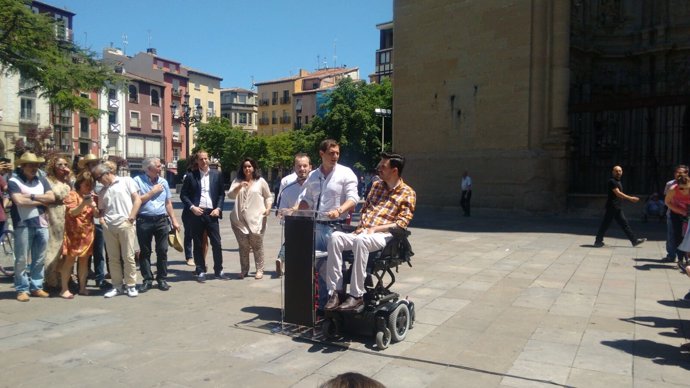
column 59, row 68
column 227, row 143
column 351, row 121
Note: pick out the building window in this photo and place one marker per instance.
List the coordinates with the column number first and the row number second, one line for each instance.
column 250, row 115
column 176, row 154
column 112, row 94
column 112, row 118
column 84, row 126
column 134, row 120
column 242, row 98
column 83, row 148
column 211, row 109
column 197, row 86
column 155, row 122
column 274, row 100
column 28, row 111
column 243, row 118
column 197, row 102
column 133, row 94
column 210, row 89
column 155, row 97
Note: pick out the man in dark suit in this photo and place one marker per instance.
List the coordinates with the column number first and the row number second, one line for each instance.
column 202, row 194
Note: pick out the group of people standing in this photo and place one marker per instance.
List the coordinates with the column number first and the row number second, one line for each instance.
column 62, row 216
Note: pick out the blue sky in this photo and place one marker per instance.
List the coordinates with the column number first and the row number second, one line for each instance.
column 237, row 39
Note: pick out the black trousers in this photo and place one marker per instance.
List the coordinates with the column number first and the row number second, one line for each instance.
column 199, row 224
column 155, row 228
column 465, row 198
column 615, row 214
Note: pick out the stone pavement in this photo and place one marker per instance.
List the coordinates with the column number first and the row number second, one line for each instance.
column 508, row 301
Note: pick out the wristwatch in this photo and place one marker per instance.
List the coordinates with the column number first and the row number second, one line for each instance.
column 33, row 197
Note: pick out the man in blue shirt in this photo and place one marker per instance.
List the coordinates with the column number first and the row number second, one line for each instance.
column 152, row 222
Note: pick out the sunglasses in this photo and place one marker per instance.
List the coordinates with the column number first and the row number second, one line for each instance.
column 61, row 165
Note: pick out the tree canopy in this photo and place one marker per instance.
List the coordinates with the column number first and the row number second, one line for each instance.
column 59, row 69
column 349, row 119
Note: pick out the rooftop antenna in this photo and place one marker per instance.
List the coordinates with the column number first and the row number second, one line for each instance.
column 124, row 43
column 253, row 86
column 148, row 43
column 318, row 61
column 335, row 53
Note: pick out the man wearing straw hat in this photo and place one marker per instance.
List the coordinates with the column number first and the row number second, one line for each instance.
column 30, row 193
column 152, row 222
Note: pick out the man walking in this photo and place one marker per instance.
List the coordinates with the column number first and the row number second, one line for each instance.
column 465, row 193
column 152, row 222
column 614, row 211
column 331, row 190
column 671, row 243
column 118, row 204
column 390, row 204
column 202, row 193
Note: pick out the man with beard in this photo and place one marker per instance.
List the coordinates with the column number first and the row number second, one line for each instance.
column 614, row 211
column 288, row 196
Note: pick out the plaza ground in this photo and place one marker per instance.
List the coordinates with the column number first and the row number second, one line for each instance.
column 506, row 300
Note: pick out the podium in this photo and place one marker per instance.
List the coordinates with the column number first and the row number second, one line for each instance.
column 299, row 274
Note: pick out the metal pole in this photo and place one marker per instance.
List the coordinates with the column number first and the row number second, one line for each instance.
column 383, row 122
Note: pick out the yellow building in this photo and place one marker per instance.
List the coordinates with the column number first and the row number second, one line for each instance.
column 276, row 104
column 204, row 91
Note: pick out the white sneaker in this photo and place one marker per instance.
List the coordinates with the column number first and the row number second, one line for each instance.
column 112, row 292
column 132, row 291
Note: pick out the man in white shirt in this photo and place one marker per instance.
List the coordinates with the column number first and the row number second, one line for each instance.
column 331, row 190
column 119, row 204
column 288, row 196
column 465, row 193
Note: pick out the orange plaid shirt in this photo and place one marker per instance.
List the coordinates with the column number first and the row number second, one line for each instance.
column 384, row 205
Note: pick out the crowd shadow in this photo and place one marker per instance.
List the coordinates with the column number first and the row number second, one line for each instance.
column 661, row 354
column 678, row 325
column 653, row 264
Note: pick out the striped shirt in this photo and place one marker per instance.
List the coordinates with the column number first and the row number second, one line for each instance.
column 384, row 205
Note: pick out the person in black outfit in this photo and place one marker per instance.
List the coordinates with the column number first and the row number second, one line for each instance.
column 614, row 211
column 202, row 194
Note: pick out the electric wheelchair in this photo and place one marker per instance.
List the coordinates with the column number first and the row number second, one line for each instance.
column 384, row 314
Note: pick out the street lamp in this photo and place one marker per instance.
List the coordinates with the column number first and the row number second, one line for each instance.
column 188, row 116
column 383, row 113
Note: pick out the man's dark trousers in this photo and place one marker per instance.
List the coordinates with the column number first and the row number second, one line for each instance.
column 210, row 224
column 465, row 197
column 617, row 214
column 99, row 255
column 155, row 227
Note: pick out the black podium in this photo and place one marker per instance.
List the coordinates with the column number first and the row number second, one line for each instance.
column 299, row 269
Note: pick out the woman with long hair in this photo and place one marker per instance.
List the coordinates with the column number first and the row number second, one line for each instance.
column 77, row 244
column 59, row 176
column 253, row 201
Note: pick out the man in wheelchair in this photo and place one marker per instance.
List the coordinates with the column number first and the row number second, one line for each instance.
column 389, row 205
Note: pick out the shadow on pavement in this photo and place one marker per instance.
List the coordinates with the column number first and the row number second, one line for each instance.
column 662, row 354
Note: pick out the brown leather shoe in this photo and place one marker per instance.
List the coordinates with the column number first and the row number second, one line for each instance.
column 40, row 294
column 351, row 303
column 23, row 296
column 333, row 302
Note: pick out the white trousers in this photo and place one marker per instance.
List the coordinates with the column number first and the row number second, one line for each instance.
column 360, row 245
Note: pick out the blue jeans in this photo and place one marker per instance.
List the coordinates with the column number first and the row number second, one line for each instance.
column 99, row 255
column 322, row 235
column 34, row 240
column 670, row 240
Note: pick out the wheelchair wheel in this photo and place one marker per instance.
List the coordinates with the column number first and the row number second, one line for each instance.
column 399, row 322
column 383, row 338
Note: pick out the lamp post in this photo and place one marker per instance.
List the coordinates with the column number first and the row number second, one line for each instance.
column 383, row 113
column 189, row 115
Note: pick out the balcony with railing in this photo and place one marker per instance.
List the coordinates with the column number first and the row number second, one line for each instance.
column 263, row 102
column 285, row 120
column 176, row 136
column 63, row 33
column 274, row 120
column 155, row 126
column 263, row 121
column 176, row 93
column 274, row 101
column 134, row 123
column 284, row 100
column 29, row 117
